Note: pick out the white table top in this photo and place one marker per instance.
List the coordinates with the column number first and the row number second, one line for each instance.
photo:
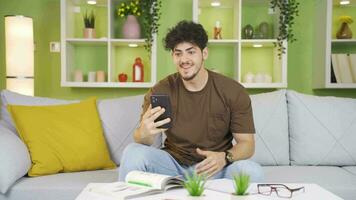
column 221, row 189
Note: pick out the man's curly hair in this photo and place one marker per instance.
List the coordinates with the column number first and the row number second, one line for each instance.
column 186, row 31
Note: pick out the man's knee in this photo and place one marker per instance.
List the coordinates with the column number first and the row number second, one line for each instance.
column 137, row 154
column 253, row 169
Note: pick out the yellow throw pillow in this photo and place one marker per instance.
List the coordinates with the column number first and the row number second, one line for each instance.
column 62, row 138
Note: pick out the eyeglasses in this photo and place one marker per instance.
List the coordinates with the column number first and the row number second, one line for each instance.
column 280, row 189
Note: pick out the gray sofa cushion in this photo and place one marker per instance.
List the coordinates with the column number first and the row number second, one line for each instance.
column 322, row 130
column 120, row 117
column 351, row 169
column 14, row 159
column 63, row 186
column 271, row 124
column 334, row 179
column 8, row 97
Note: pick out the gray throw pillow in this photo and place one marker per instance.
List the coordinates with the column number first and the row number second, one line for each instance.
column 322, row 130
column 14, row 159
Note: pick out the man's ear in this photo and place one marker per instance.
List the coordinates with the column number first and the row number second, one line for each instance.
column 205, row 53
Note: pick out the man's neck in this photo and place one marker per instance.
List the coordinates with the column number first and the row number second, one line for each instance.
column 198, row 82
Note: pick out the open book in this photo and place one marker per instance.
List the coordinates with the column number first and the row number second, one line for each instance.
column 137, row 183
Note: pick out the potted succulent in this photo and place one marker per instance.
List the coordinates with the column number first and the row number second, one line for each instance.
column 89, row 25
column 288, row 11
column 194, row 184
column 241, row 183
column 149, row 13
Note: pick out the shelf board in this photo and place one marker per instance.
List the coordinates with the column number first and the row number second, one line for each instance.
column 223, row 41
column 264, row 85
column 126, row 42
column 258, row 40
column 343, row 41
column 341, row 85
column 108, row 84
column 86, row 41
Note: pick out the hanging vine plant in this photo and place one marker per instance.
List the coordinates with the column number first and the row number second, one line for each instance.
column 288, row 10
column 151, row 13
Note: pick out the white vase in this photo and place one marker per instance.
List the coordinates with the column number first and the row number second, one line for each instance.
column 249, row 77
column 131, row 28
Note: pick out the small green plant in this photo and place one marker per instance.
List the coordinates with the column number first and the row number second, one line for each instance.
column 89, row 19
column 194, row 184
column 241, row 183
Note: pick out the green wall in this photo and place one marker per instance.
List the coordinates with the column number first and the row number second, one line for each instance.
column 46, row 16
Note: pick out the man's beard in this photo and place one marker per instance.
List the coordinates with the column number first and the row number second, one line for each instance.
column 194, row 75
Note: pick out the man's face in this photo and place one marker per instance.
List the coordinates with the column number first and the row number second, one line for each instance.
column 188, row 59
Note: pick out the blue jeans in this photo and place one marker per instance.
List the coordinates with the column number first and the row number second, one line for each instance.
column 149, row 159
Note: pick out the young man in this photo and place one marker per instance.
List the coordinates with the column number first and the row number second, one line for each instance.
column 208, row 111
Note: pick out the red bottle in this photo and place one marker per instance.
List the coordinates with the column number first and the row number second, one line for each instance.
column 137, row 70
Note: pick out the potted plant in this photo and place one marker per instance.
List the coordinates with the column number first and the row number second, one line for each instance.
column 129, row 10
column 194, row 184
column 288, row 10
column 241, row 183
column 149, row 13
column 344, row 31
column 89, row 25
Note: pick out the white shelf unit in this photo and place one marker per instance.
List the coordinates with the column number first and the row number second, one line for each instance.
column 108, row 52
column 326, row 44
column 237, row 53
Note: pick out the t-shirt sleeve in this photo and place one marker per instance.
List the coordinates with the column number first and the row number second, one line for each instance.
column 241, row 114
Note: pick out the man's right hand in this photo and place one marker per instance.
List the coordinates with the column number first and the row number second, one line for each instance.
column 148, row 127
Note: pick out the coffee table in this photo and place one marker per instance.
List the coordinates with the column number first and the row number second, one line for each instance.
column 221, row 189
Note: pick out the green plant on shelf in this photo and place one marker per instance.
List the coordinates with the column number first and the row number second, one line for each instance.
column 288, row 10
column 129, row 8
column 89, row 19
column 241, row 182
column 194, row 183
column 149, row 12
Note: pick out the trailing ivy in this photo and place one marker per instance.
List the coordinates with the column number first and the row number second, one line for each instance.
column 150, row 16
column 288, row 10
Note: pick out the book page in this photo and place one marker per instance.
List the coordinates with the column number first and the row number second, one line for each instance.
column 145, row 179
column 122, row 190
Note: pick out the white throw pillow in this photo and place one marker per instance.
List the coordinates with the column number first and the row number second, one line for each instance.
column 322, row 130
column 14, row 158
column 271, row 125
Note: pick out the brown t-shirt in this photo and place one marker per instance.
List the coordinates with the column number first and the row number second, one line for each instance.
column 204, row 119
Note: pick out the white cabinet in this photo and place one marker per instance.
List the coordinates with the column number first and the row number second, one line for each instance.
column 107, row 53
column 248, row 55
column 332, row 66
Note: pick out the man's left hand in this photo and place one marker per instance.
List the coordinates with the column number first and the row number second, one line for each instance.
column 212, row 164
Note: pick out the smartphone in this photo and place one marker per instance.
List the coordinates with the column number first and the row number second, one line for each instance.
column 163, row 101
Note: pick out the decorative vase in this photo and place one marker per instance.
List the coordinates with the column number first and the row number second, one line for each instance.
column 131, row 28
column 247, row 32
column 264, row 30
column 89, row 33
column 344, row 32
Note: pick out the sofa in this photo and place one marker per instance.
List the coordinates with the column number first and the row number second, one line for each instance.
column 299, row 138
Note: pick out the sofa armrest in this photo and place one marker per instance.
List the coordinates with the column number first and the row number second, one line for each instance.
column 14, row 158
